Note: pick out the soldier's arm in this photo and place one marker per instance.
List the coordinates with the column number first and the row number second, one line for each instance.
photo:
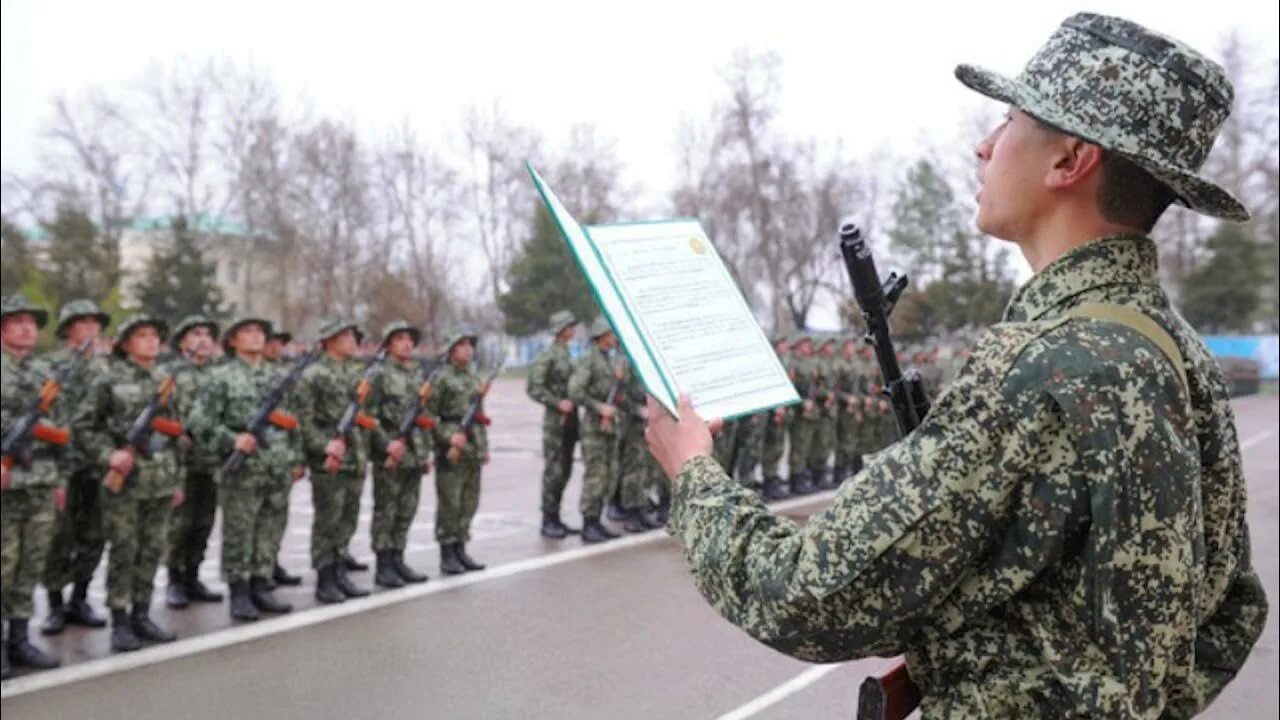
column 439, row 407
column 314, row 435
column 536, row 386
column 92, row 421
column 381, row 407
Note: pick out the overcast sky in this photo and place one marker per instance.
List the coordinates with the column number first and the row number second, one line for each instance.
column 872, row 74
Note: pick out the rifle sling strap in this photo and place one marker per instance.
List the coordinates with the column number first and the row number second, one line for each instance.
column 1142, row 324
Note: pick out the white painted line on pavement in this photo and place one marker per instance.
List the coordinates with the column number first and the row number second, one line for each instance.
column 313, row 616
column 776, row 695
column 1259, row 438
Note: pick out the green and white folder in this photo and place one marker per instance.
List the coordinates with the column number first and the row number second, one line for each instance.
column 677, row 313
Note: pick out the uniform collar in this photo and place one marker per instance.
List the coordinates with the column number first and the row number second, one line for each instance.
column 1116, row 260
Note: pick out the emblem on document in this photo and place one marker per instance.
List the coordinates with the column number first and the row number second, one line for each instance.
column 698, row 246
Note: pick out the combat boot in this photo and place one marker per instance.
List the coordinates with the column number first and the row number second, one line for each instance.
column 552, row 528
column 450, row 563
column 826, row 480
column 650, row 520
column 123, row 638
column 344, row 584
column 175, row 595
column 197, row 591
column 80, row 612
column 405, row 572
column 663, row 512
column 386, row 575
column 614, row 511
column 326, row 586
column 635, row 522
column 594, row 532
column 351, row 564
column 242, row 608
column 467, row 561
column 775, row 489
column 260, row 595
column 281, row 577
column 802, row 484
column 22, row 653
column 56, row 621
column 146, row 629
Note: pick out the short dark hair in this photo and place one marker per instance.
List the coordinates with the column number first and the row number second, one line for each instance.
column 1129, row 195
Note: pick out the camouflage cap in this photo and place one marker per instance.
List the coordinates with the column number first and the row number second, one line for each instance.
column 283, row 336
column 600, row 326
column 77, row 309
column 1147, row 97
column 400, row 326
column 240, row 322
column 560, row 320
column 191, row 322
column 826, row 340
column 334, row 325
column 457, row 335
column 133, row 323
column 15, row 304
column 801, row 336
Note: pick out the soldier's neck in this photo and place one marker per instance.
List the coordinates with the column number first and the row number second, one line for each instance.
column 144, row 363
column 253, row 359
column 334, row 356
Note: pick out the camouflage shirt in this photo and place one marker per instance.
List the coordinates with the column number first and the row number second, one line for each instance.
column 394, row 394
column 589, row 385
column 548, row 381
column 193, row 380
column 115, row 399
column 1059, row 538
column 22, row 380
column 450, row 398
column 323, row 393
column 229, row 397
column 71, row 401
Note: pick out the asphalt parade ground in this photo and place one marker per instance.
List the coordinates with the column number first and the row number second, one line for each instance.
column 552, row 629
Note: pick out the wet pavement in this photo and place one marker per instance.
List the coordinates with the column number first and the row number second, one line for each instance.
column 553, row 629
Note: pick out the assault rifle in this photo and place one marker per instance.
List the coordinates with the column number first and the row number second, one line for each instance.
column 137, row 441
column 29, row 427
column 352, row 417
column 266, row 415
column 475, row 411
column 416, row 418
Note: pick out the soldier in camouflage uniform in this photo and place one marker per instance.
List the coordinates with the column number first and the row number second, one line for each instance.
column 548, row 385
column 635, row 467
column 273, row 353
column 399, row 464
column 593, row 377
column 824, row 440
column 322, row 396
column 27, row 494
column 136, row 516
column 774, row 441
column 77, row 541
column 1065, row 534
column 803, row 423
column 193, row 342
column 257, row 494
column 459, row 454
column 850, row 408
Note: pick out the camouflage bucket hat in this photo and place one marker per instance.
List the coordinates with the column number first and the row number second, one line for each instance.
column 332, row 326
column 1149, row 98
column 77, row 309
column 133, row 323
column 561, row 320
column 800, row 337
column 457, row 335
column 401, row 326
column 15, row 304
column 191, row 322
column 600, row 326
column 241, row 322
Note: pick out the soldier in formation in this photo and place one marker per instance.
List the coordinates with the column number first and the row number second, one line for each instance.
column 548, row 385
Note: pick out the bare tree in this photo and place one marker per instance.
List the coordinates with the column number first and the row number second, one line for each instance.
column 498, row 190
column 175, row 119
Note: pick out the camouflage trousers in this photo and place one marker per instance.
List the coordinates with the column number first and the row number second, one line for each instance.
column 250, row 521
column 192, row 522
column 750, row 447
column 26, row 526
column 457, row 498
column 557, row 458
column 773, row 446
column 848, row 430
column 801, row 434
column 137, row 531
column 599, row 453
column 78, row 541
column 335, row 501
column 395, row 502
column 636, row 467
column 824, row 442
column 722, row 446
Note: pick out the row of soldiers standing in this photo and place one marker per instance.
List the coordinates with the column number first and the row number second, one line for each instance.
column 149, row 491
column 843, row 415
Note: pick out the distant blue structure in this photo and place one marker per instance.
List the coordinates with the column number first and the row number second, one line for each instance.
column 1262, row 349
